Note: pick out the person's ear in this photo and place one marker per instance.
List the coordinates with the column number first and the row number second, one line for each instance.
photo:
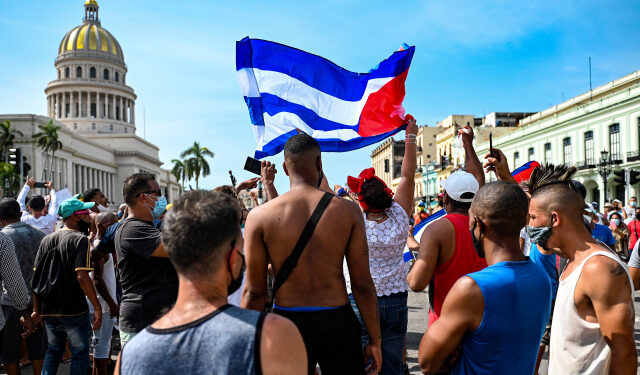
column 556, row 220
column 284, row 168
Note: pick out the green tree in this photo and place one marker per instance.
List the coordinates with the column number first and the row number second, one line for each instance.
column 47, row 140
column 181, row 171
column 7, row 138
column 10, row 179
column 197, row 163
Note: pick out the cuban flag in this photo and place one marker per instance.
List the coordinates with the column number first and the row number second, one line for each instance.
column 288, row 90
column 524, row 172
column 419, row 229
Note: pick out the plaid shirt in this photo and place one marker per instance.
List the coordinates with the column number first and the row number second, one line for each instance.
column 11, row 277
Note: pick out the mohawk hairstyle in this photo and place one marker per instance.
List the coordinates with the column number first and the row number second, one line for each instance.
column 551, row 175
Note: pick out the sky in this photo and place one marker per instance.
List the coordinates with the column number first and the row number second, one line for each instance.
column 472, row 57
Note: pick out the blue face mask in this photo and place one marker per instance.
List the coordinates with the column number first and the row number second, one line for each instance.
column 159, row 208
column 539, row 236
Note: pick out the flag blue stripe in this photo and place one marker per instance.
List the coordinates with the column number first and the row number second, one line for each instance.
column 426, row 221
column 326, row 145
column 255, row 110
column 524, row 167
column 314, row 70
column 273, row 105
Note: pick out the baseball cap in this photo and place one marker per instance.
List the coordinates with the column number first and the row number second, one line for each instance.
column 617, row 201
column 71, row 205
column 421, row 204
column 589, row 208
column 595, row 205
column 607, row 204
column 461, row 183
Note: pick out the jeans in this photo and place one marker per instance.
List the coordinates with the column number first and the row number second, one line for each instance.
column 394, row 316
column 77, row 329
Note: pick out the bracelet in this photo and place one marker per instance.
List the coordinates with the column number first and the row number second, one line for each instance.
column 412, row 136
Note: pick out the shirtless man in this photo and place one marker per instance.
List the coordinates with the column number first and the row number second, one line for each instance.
column 314, row 296
column 594, row 315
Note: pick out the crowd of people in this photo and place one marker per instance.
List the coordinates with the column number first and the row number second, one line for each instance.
column 316, row 277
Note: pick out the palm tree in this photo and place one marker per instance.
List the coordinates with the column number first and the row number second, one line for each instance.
column 181, row 171
column 197, row 164
column 47, row 140
column 7, row 138
column 10, row 179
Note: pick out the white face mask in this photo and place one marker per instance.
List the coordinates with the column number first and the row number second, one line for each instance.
column 102, row 208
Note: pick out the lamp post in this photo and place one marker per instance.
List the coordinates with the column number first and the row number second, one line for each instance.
column 604, row 168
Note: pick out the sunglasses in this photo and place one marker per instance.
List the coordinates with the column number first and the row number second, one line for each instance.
column 82, row 212
column 157, row 192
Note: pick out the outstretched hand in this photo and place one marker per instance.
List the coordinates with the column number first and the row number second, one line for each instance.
column 31, row 183
column 498, row 164
column 467, row 135
column 268, row 172
column 249, row 184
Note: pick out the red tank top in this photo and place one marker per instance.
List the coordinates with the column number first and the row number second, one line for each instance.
column 464, row 260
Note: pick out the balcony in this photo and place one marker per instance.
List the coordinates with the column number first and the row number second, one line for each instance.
column 633, row 156
column 616, row 159
column 586, row 164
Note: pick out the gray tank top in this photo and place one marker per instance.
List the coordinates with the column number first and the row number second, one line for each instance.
column 227, row 341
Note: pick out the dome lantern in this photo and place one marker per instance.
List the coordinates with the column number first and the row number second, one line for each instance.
column 91, row 11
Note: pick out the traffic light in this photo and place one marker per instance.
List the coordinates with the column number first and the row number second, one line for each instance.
column 620, row 177
column 634, row 177
column 15, row 157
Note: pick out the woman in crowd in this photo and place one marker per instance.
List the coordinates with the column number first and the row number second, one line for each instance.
column 621, row 234
column 387, row 223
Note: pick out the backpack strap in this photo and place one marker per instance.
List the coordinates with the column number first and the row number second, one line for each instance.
column 292, row 260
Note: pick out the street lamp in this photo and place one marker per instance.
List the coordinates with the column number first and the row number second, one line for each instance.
column 604, row 168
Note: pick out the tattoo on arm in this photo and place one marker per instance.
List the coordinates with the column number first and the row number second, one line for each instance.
column 619, row 270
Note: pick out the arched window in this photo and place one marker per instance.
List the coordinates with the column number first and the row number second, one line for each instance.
column 117, row 76
column 92, row 72
column 78, row 72
column 66, row 72
column 105, row 74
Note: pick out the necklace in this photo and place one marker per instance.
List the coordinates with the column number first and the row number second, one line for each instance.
column 376, row 218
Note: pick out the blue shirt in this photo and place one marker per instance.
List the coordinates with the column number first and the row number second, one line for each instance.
column 517, row 304
column 548, row 264
column 603, row 234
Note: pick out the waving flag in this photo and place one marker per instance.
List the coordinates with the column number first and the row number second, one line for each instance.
column 524, row 172
column 287, row 90
column 418, row 229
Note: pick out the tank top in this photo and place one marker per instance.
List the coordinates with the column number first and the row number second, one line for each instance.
column 577, row 346
column 464, row 260
column 517, row 303
column 227, row 341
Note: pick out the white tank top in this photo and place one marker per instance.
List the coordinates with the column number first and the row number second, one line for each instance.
column 577, row 346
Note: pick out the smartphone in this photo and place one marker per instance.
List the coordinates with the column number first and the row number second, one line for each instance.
column 252, row 165
column 491, row 144
column 40, row 185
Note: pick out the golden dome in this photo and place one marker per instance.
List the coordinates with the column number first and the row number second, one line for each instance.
column 91, row 2
column 90, row 39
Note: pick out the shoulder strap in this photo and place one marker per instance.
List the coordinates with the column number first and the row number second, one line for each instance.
column 292, row 260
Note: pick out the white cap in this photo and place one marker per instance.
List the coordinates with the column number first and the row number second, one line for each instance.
column 589, row 208
column 459, row 183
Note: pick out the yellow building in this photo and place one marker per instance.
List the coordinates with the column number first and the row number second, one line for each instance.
column 386, row 159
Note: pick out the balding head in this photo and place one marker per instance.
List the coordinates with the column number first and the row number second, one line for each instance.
column 104, row 220
column 502, row 207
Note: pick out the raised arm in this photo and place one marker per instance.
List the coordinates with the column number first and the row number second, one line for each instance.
column 268, row 175
column 499, row 165
column 606, row 284
column 404, row 192
column 254, row 294
column 472, row 163
column 23, row 193
column 462, row 311
column 364, row 291
column 53, row 203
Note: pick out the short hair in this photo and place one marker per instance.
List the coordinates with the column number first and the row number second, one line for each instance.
column 552, row 185
column 36, row 202
column 457, row 204
column 9, row 209
column 230, row 191
column 374, row 195
column 195, row 229
column 503, row 206
column 136, row 184
column 299, row 144
column 89, row 194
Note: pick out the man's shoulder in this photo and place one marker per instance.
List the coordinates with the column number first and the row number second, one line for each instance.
column 600, row 271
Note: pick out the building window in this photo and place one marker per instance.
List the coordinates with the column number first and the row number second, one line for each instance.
column 125, row 129
column 566, row 150
column 105, row 74
column 530, row 153
column 75, row 125
column 614, row 141
column 117, row 77
column 78, row 72
column 93, row 126
column 547, row 152
column 93, row 110
column 111, row 127
column 66, row 72
column 588, row 148
column 92, row 72
column 516, row 159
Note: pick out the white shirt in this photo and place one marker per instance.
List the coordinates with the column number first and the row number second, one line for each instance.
column 46, row 223
column 527, row 241
column 386, row 242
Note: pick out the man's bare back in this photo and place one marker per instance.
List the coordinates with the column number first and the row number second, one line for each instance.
column 273, row 230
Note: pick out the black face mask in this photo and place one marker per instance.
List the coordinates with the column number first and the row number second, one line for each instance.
column 477, row 243
column 84, row 227
column 236, row 283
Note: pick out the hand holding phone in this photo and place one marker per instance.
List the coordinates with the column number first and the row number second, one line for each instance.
column 40, row 185
column 252, row 165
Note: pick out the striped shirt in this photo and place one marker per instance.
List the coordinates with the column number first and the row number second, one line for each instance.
column 11, row 277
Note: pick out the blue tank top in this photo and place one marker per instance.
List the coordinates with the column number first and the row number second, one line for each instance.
column 227, row 341
column 517, row 302
column 548, row 264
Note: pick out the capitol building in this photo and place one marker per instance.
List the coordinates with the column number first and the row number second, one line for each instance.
column 91, row 101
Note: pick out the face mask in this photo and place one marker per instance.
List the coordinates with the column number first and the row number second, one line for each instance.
column 159, row 208
column 102, row 208
column 616, row 222
column 120, row 213
column 477, row 243
column 236, row 283
column 539, row 236
column 633, row 204
column 83, row 227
